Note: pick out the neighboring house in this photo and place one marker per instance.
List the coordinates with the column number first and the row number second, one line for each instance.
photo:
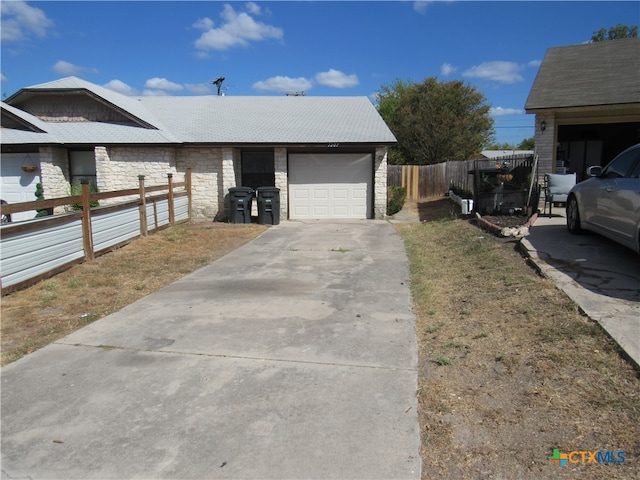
column 586, row 99
column 327, row 155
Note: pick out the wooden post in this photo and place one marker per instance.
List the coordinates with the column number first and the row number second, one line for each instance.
column 143, row 207
column 172, row 213
column 188, row 187
column 87, row 234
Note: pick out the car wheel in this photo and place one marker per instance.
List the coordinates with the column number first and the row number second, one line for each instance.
column 573, row 216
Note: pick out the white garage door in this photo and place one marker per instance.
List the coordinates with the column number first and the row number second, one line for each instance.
column 330, row 186
column 18, row 186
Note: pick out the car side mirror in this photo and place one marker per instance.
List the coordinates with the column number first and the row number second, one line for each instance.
column 594, row 171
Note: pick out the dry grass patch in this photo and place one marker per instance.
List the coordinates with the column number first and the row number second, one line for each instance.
column 51, row 309
column 509, row 368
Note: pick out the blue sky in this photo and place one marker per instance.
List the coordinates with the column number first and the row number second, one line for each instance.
column 319, row 47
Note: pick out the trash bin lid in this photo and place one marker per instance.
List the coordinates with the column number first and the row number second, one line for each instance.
column 267, row 190
column 241, row 190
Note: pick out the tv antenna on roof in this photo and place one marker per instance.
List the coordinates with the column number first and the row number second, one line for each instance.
column 296, row 94
column 218, row 83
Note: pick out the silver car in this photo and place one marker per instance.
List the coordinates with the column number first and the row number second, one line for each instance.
column 608, row 202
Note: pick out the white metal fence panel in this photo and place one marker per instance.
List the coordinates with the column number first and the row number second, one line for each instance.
column 28, row 254
column 157, row 214
column 181, row 208
column 114, row 227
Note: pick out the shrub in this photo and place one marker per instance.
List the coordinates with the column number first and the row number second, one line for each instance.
column 76, row 189
column 395, row 199
column 40, row 196
column 461, row 192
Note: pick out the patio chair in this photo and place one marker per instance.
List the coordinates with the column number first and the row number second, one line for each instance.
column 556, row 189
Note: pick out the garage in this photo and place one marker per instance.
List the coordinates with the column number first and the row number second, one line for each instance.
column 330, row 186
column 18, row 186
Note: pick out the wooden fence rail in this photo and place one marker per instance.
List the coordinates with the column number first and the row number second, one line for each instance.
column 32, row 250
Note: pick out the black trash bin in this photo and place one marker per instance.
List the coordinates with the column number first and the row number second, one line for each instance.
column 268, row 205
column 240, row 204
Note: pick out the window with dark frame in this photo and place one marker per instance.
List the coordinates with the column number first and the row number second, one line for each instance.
column 258, row 169
column 82, row 166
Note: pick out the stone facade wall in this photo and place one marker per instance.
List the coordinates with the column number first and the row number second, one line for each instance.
column 380, row 183
column 230, row 177
column 118, row 168
column 281, row 180
column 206, row 180
column 54, row 172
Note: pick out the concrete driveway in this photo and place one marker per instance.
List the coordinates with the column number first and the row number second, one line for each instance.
column 292, row 357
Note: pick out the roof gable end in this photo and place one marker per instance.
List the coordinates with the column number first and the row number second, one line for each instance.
column 17, row 119
column 117, row 108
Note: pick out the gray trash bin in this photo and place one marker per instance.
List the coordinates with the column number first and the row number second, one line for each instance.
column 240, row 204
column 268, row 199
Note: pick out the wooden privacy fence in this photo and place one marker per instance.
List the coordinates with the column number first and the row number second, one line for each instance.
column 35, row 249
column 428, row 181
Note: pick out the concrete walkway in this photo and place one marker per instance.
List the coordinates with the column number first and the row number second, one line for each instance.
column 292, row 357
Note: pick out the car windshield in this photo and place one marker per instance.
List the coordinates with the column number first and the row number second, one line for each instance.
column 620, row 167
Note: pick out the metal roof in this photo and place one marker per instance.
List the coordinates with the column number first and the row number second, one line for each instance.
column 592, row 74
column 222, row 119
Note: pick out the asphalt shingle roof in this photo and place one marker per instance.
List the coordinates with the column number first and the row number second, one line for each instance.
column 293, row 119
column 592, row 74
column 224, row 119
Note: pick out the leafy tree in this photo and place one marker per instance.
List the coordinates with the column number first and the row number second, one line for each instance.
column 388, row 103
column 615, row 33
column 435, row 121
column 501, row 146
column 527, row 144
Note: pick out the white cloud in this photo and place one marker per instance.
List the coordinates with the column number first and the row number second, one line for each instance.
column 503, row 72
column 447, row 69
column 253, row 8
column 421, row 6
column 20, row 20
column 163, row 84
column 65, row 68
column 336, row 79
column 283, row 84
column 3, row 77
column 499, row 111
column 237, row 29
column 534, row 63
column 203, row 24
column 121, row 87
